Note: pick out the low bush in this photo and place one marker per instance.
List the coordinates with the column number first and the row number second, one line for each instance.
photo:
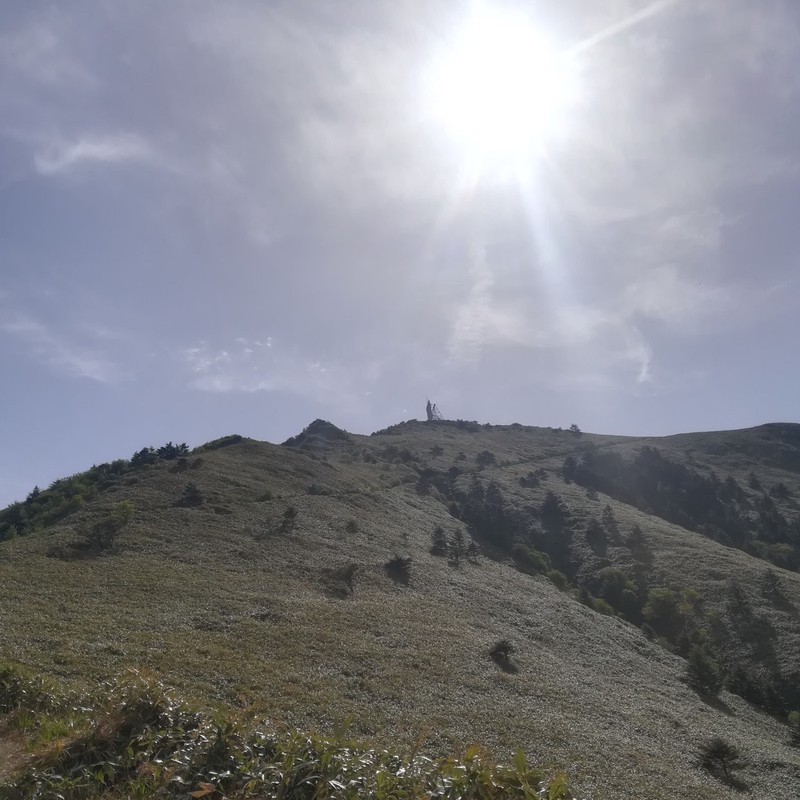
column 341, row 579
column 500, row 652
column 720, row 758
column 603, row 607
column 191, row 497
column 289, row 519
column 485, row 458
column 398, row 569
column 558, row 579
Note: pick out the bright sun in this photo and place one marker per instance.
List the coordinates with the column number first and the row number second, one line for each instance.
column 501, row 90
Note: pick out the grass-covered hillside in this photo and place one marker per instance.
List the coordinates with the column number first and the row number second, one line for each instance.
column 620, row 609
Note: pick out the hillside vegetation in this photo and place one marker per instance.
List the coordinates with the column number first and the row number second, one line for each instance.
column 620, row 609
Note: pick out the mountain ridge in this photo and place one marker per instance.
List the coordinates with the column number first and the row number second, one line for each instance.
column 193, row 580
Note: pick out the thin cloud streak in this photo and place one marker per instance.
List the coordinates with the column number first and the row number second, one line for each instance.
column 624, row 24
column 113, row 149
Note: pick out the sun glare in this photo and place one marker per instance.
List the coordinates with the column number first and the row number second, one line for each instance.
column 501, row 90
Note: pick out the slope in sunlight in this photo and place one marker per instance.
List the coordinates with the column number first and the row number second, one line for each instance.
column 448, row 583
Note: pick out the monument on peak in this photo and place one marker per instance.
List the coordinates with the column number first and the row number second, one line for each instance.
column 432, row 412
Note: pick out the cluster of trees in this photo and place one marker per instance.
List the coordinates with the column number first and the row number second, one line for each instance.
column 704, row 503
column 455, row 546
column 734, row 648
column 44, row 507
column 542, row 548
column 167, row 452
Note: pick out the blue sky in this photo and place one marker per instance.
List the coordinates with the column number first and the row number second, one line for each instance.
column 238, row 217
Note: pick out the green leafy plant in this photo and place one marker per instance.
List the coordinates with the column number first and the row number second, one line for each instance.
column 139, row 741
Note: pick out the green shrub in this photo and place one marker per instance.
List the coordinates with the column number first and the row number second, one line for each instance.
column 661, row 611
column 622, row 593
column 529, row 560
column 703, row 672
column 191, row 497
column 104, row 532
column 602, row 607
column 558, row 579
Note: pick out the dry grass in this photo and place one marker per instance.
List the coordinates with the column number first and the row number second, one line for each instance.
column 232, row 608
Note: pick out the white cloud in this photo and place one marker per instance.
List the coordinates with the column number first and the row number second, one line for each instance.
column 253, row 365
column 62, row 156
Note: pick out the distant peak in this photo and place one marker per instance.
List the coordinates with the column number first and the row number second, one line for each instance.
column 318, row 432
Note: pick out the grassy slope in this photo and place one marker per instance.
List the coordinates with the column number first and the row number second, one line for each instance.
column 237, row 612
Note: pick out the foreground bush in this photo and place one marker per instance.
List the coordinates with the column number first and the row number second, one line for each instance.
column 141, row 742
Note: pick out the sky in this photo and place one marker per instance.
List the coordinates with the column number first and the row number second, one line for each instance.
column 238, row 217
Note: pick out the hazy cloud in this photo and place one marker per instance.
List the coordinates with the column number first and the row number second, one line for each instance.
column 58, row 351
